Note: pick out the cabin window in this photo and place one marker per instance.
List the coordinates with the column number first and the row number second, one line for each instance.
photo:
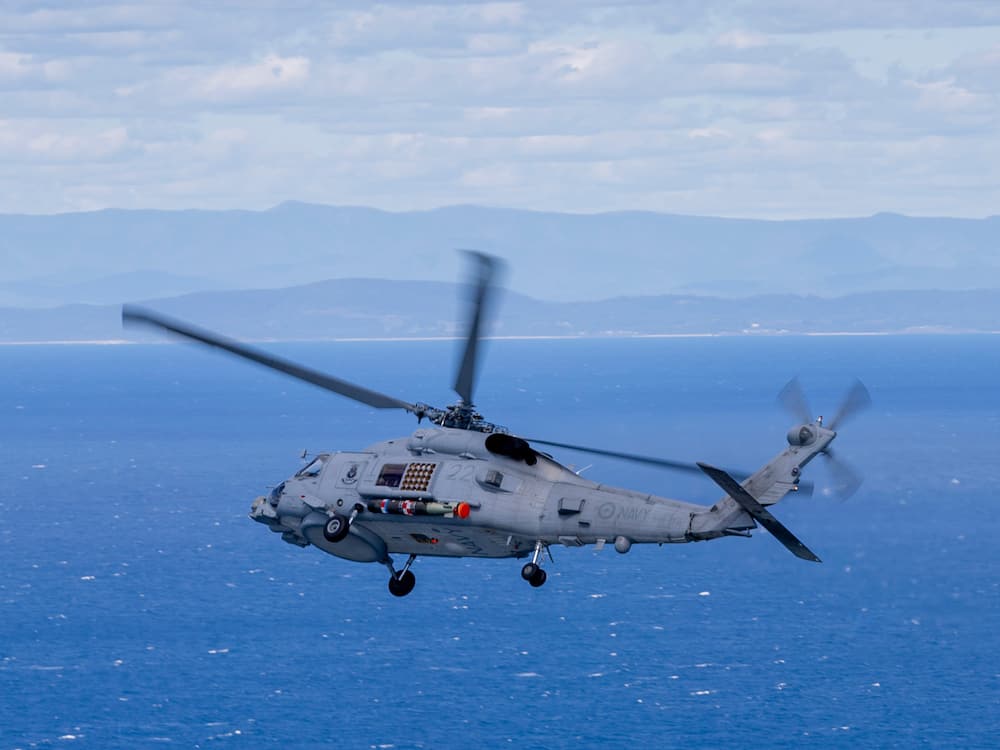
column 391, row 475
column 570, row 505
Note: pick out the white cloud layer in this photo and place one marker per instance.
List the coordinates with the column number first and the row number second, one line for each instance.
column 772, row 108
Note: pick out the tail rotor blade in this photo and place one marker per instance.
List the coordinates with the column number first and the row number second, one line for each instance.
column 486, row 268
column 856, row 401
column 793, row 398
column 846, row 479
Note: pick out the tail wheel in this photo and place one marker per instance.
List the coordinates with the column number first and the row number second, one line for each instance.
column 336, row 528
column 402, row 585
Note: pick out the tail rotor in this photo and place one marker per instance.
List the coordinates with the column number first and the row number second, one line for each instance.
column 846, row 479
column 855, row 401
column 793, row 398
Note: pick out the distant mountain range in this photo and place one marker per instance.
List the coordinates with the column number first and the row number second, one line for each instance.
column 365, row 308
column 110, row 256
column 302, row 271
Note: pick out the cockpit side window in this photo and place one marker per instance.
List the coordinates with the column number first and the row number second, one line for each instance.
column 391, row 475
column 314, row 468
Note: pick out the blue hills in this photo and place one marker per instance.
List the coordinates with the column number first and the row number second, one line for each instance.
column 111, row 255
column 378, row 309
column 302, row 271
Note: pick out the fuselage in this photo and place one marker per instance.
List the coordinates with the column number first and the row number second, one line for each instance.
column 405, row 497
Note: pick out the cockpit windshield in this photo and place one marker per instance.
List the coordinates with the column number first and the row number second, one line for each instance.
column 313, row 468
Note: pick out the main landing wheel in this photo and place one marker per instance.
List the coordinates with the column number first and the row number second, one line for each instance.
column 403, row 585
column 533, row 574
column 336, row 528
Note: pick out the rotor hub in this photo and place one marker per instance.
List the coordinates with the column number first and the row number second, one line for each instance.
column 464, row 416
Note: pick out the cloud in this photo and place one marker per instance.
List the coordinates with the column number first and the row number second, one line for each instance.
column 785, row 16
column 770, row 108
column 977, row 71
column 946, row 96
column 26, row 143
column 437, row 28
column 273, row 73
column 19, row 68
column 742, row 40
column 15, row 66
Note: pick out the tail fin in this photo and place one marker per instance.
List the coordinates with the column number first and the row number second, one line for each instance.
column 749, row 503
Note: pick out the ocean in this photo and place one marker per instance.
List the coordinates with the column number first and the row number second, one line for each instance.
column 140, row 607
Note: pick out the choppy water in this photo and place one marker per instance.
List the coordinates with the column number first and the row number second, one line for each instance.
column 139, row 606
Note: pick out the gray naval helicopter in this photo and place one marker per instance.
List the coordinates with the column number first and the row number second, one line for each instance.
column 465, row 487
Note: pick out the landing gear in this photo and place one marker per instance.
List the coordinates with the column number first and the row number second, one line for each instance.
column 336, row 528
column 401, row 583
column 339, row 526
column 532, row 572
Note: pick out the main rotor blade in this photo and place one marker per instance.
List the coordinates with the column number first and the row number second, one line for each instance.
column 805, row 488
column 793, row 398
column 663, row 463
column 486, row 267
column 856, row 401
column 138, row 315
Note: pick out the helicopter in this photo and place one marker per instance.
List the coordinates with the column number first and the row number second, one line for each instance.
column 460, row 486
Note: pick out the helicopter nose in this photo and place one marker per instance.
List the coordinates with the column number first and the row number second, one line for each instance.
column 265, row 507
column 262, row 511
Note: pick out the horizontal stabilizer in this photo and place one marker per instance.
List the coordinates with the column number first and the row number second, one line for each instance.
column 747, row 501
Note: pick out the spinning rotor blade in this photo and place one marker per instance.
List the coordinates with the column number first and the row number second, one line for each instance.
column 663, row 463
column 137, row 315
column 805, row 488
column 846, row 479
column 486, row 268
column 856, row 401
column 793, row 398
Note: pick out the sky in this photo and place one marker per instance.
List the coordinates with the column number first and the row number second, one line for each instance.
column 767, row 109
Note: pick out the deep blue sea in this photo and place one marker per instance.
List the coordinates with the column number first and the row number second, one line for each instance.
column 140, row 607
